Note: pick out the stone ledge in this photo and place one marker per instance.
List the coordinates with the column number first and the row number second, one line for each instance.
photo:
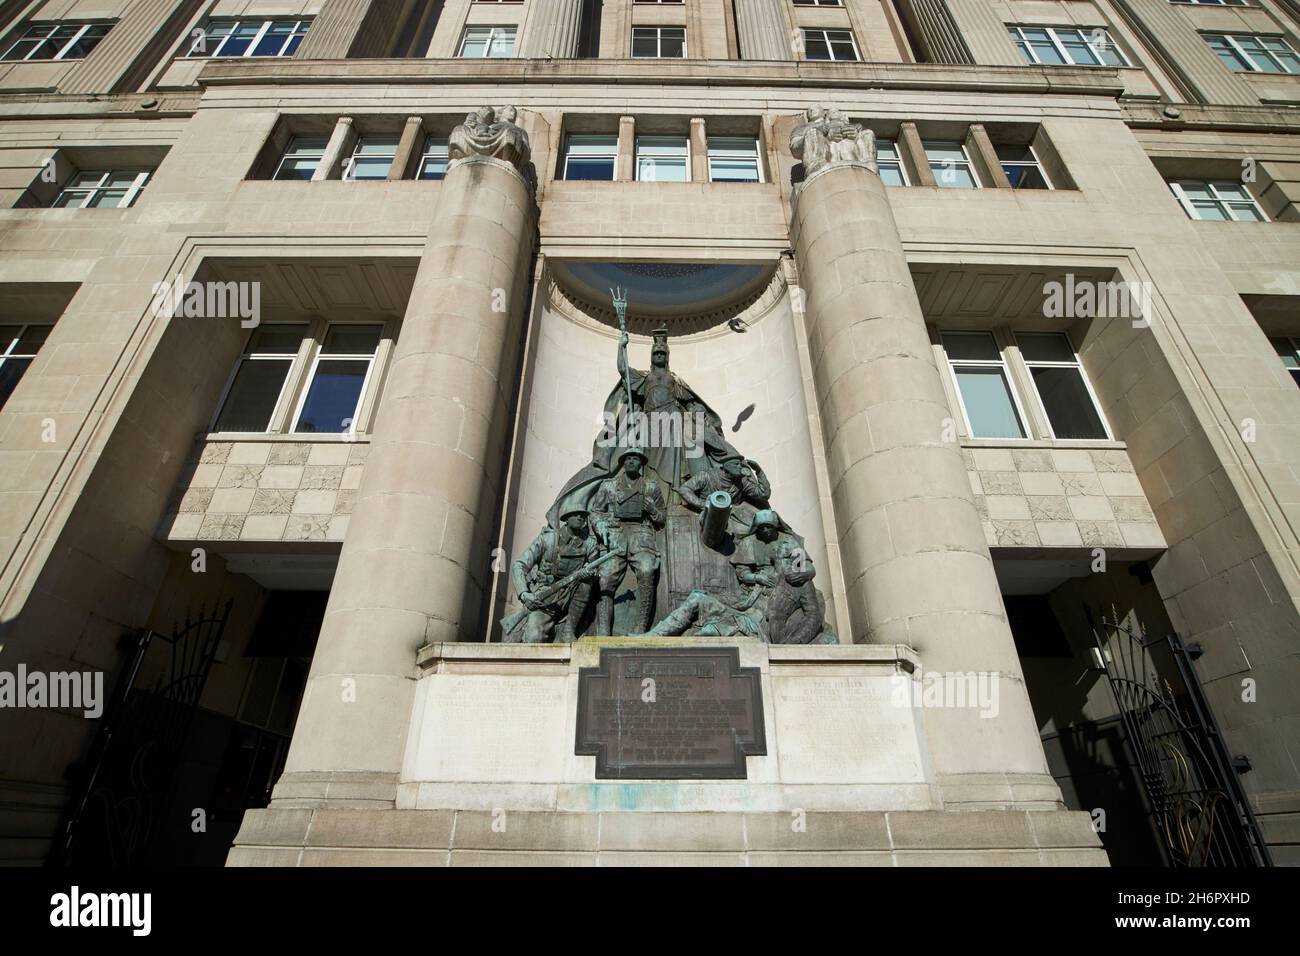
column 481, row 838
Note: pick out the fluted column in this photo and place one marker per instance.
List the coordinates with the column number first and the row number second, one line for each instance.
column 417, row 552
column 552, row 30
column 762, row 30
column 916, row 565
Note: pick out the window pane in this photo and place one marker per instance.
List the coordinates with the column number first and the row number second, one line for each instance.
column 251, row 401
column 589, row 169
column 1023, row 176
column 988, row 403
column 32, row 339
column 11, row 370
column 951, row 176
column 1067, row 403
column 661, row 170
column 672, row 43
column 815, row 46
column 351, row 340
column 1045, row 347
column 645, row 43
column 971, row 346
column 279, row 339
column 331, row 403
column 732, row 171
column 891, row 175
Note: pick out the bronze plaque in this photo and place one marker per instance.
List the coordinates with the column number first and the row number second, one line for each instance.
column 680, row 713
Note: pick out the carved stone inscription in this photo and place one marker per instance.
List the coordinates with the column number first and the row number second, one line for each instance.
column 670, row 713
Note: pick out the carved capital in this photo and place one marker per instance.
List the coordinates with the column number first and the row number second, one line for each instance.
column 491, row 133
column 829, row 138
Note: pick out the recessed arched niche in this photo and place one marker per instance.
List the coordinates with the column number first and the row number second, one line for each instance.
column 732, row 338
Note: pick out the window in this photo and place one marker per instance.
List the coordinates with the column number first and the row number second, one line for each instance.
column 816, row 3
column 590, row 156
column 1219, row 200
column 337, row 359
column 487, row 42
column 372, row 157
column 57, row 41
column 102, row 189
column 256, row 388
column 301, row 158
column 734, row 159
column 249, row 38
column 1288, row 350
column 433, row 160
column 1067, row 46
column 891, row 166
column 984, row 391
column 951, row 166
column 20, row 344
column 1063, row 390
column 338, row 379
column 829, row 45
column 660, row 42
column 1254, row 53
column 1022, row 167
column 662, row 159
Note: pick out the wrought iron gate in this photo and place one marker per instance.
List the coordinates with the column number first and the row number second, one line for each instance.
column 138, row 745
column 1196, row 800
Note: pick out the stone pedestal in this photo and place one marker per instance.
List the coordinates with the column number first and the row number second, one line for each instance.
column 916, row 565
column 490, row 777
column 417, row 552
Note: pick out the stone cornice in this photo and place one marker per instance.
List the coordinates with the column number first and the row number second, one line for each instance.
column 1087, row 81
column 1279, row 119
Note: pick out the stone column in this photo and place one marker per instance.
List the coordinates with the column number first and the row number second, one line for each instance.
column 552, row 29
column 417, row 552
column 762, row 30
column 916, row 565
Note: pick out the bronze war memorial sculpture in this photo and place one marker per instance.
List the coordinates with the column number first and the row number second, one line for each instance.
column 667, row 531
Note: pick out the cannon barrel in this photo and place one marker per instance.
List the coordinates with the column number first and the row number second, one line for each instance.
column 713, row 521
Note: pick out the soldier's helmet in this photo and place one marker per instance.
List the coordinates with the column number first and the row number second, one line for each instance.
column 660, row 340
column 629, row 450
column 572, row 510
column 765, row 518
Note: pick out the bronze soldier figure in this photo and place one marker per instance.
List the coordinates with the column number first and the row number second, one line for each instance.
column 628, row 509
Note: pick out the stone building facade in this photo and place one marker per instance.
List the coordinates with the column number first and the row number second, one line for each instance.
column 432, row 342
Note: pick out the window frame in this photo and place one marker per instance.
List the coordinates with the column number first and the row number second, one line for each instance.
column 708, row 157
column 1077, row 364
column 1022, row 43
column 8, row 353
column 304, row 389
column 636, row 157
column 1247, row 56
column 1189, row 207
column 1008, row 379
column 142, row 177
column 492, row 29
column 427, row 153
column 966, row 162
column 54, row 26
column 1036, row 163
column 290, row 152
column 613, row 156
column 817, row 3
column 349, row 171
column 897, row 161
column 1293, row 343
column 302, row 370
column 826, row 32
column 301, row 26
column 1213, row 3
column 659, row 40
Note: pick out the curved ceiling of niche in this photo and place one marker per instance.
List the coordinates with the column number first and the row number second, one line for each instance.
column 664, row 289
